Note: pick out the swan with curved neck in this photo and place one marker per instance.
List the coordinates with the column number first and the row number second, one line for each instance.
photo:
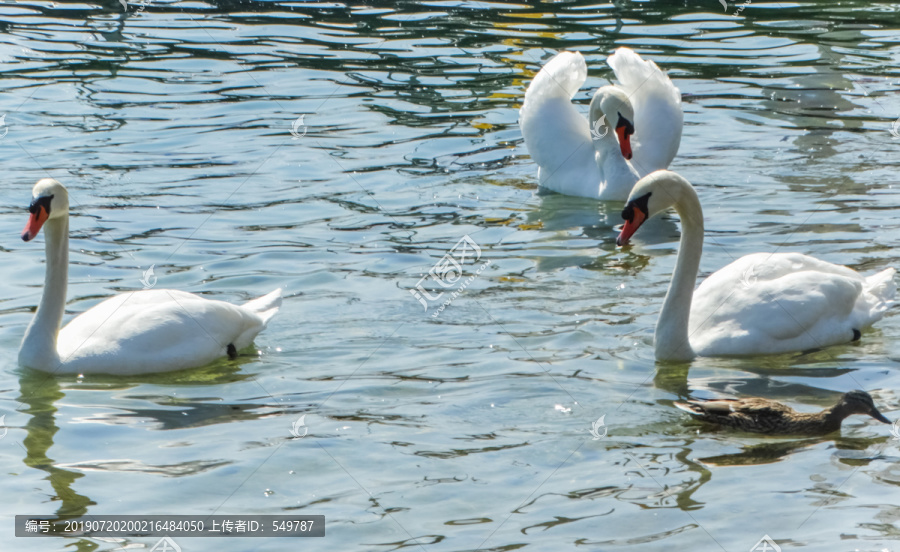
column 139, row 332
column 583, row 157
column 759, row 304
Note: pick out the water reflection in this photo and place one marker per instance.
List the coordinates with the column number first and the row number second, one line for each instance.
column 39, row 392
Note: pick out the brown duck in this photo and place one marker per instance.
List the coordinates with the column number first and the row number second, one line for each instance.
column 767, row 416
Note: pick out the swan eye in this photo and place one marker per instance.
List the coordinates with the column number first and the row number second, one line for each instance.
column 642, row 205
column 623, row 122
column 39, row 202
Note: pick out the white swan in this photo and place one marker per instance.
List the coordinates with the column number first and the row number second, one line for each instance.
column 139, row 332
column 759, row 304
column 581, row 158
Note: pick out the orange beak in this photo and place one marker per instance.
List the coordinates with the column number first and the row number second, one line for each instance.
column 630, row 227
column 624, row 142
column 35, row 221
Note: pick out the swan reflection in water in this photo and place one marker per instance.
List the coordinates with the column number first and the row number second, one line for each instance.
column 41, row 393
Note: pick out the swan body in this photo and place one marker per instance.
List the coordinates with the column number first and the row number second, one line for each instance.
column 154, row 330
column 759, row 304
column 583, row 158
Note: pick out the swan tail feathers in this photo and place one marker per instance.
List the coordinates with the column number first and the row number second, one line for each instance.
column 883, row 287
column 265, row 306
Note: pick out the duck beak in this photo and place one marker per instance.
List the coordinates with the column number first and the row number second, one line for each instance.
column 35, row 221
column 878, row 416
column 630, row 227
column 624, row 141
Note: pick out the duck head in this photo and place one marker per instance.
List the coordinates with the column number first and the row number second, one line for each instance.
column 859, row 402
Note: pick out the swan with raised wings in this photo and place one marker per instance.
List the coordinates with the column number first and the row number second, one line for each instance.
column 155, row 330
column 762, row 303
column 582, row 158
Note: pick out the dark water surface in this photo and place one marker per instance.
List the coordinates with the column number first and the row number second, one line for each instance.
column 340, row 151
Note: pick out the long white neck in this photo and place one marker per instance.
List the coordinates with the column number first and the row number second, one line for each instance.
column 672, row 340
column 618, row 176
column 38, row 348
